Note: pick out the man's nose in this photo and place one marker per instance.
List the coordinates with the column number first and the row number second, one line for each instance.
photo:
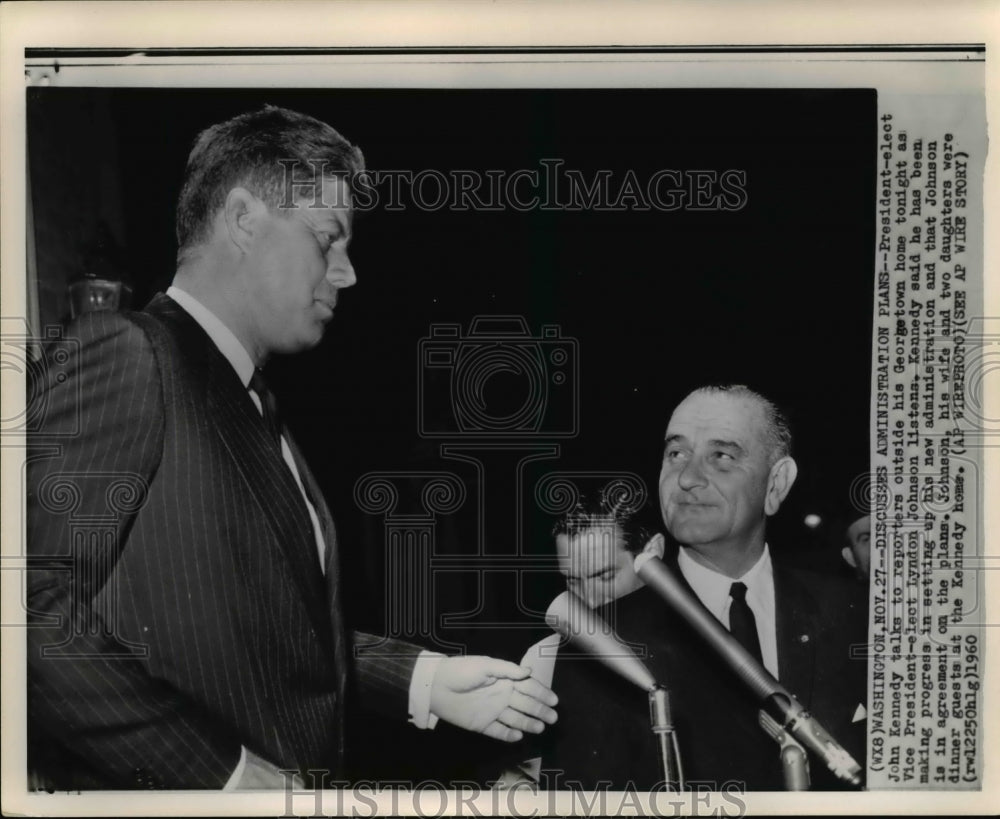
column 340, row 271
column 692, row 475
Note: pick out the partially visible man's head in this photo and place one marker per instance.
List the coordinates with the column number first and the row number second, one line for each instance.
column 264, row 151
column 727, row 466
column 597, row 542
column 857, row 552
column 264, row 221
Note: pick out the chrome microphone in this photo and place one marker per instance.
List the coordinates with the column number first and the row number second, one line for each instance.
column 573, row 618
column 790, row 713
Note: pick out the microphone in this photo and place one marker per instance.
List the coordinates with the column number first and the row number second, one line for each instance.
column 573, row 619
column 793, row 717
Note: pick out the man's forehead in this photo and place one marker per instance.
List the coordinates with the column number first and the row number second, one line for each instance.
column 590, row 543
column 859, row 526
column 717, row 416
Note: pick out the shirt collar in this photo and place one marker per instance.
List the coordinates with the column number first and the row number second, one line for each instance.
column 223, row 338
column 712, row 588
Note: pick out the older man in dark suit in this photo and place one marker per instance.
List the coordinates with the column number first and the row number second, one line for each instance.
column 198, row 639
column 727, row 467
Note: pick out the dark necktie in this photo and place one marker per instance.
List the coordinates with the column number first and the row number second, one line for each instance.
column 268, row 405
column 742, row 623
column 272, row 421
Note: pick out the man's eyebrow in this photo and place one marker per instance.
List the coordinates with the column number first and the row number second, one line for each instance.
column 673, row 439
column 339, row 220
column 720, row 443
column 336, row 226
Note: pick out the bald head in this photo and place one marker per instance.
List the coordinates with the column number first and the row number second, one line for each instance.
column 772, row 423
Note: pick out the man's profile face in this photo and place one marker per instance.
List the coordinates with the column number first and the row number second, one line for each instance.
column 859, row 536
column 715, row 472
column 298, row 266
column 596, row 564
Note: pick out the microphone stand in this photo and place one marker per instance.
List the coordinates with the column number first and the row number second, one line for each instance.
column 666, row 738
column 794, row 762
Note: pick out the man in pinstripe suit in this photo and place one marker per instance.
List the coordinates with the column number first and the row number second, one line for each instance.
column 185, row 622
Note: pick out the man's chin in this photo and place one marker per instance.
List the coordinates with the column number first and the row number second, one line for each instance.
column 691, row 534
column 304, row 342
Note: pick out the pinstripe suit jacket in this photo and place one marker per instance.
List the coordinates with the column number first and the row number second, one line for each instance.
column 177, row 610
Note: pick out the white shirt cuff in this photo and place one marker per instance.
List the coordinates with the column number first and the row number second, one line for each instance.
column 420, row 689
column 238, row 773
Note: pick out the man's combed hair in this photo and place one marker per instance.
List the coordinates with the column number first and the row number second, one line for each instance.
column 778, row 429
column 268, row 152
column 612, row 505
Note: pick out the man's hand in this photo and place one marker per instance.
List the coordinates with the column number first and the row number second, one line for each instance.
column 491, row 697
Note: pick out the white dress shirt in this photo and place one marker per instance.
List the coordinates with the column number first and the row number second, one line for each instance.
column 712, row 589
column 238, row 357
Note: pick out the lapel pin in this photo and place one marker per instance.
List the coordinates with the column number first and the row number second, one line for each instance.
column 803, row 638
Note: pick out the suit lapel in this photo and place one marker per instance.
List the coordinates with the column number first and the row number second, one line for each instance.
column 795, row 615
column 331, row 569
column 257, row 458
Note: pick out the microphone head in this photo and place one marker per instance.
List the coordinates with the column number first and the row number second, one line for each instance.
column 642, row 559
column 573, row 619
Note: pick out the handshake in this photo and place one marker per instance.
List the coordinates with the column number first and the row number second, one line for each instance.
column 481, row 694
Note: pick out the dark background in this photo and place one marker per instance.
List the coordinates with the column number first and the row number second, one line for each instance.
column 776, row 295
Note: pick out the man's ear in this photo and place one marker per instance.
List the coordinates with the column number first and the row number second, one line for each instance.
column 655, row 546
column 848, row 555
column 779, row 483
column 241, row 214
